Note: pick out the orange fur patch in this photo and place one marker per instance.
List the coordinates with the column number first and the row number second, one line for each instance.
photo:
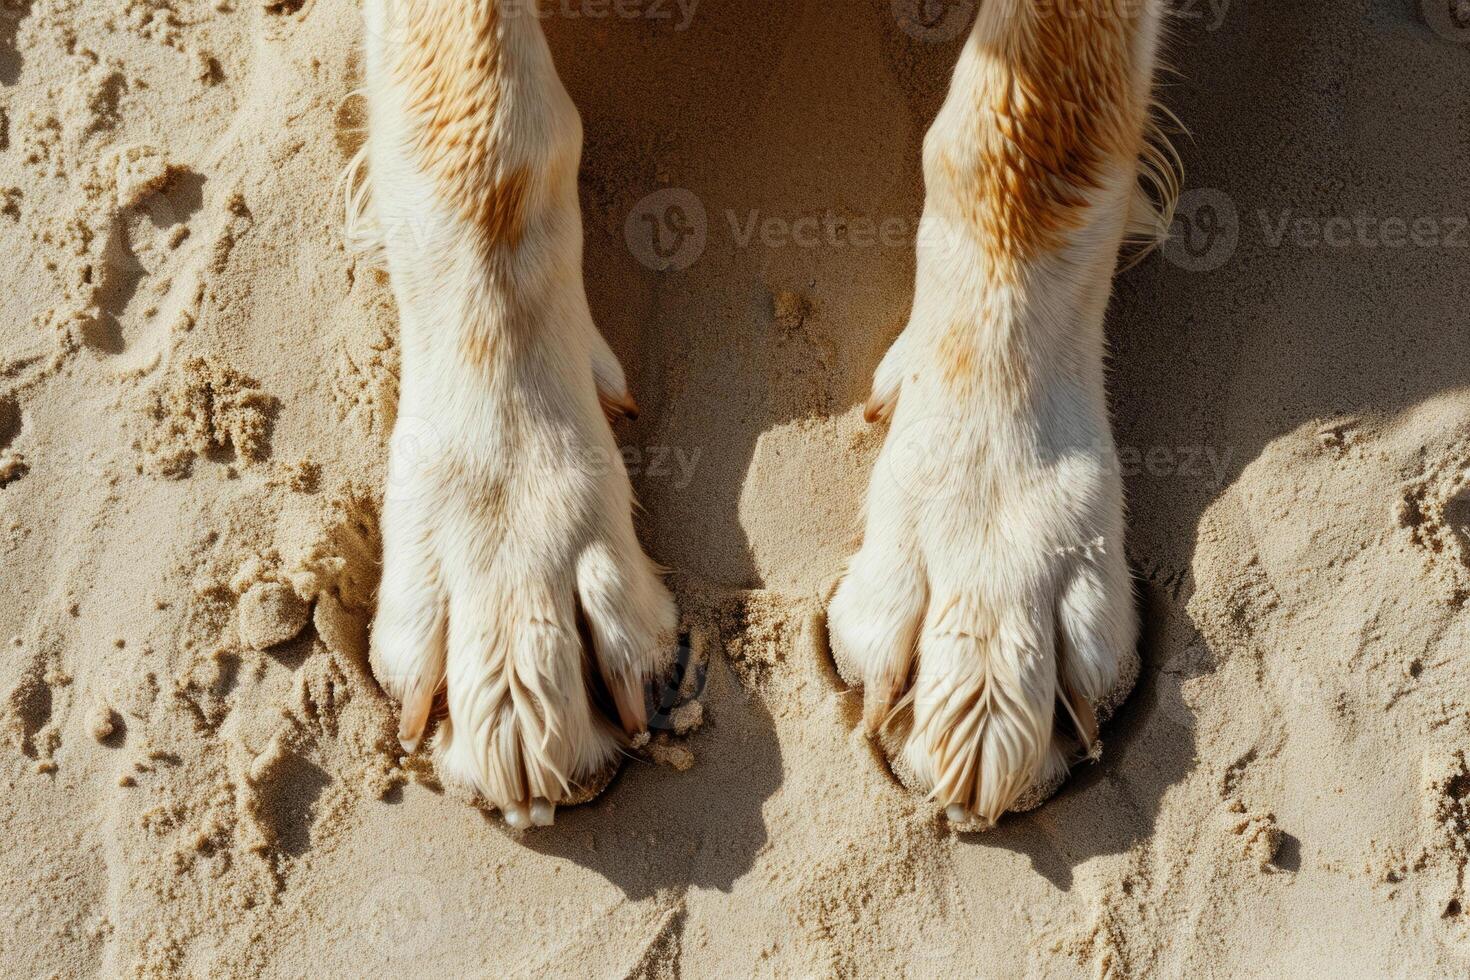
column 1056, row 102
column 450, row 62
column 480, row 345
column 994, row 362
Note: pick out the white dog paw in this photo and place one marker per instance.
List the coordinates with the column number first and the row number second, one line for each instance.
column 516, row 598
column 989, row 615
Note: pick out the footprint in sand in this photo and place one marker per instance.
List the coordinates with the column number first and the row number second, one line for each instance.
column 146, row 284
column 1435, row 509
column 12, row 463
column 27, row 709
column 284, row 8
column 285, row 788
column 282, row 16
column 12, row 12
column 1457, row 521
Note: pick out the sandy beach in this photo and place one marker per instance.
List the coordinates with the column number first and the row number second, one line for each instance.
column 199, row 777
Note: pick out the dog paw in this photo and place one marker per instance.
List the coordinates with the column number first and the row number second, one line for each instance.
column 515, row 598
column 989, row 615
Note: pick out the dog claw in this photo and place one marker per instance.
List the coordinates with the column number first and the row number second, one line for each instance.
column 878, row 409
column 619, row 407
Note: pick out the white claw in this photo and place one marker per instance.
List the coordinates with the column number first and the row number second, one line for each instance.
column 516, row 818
column 543, row 814
column 410, row 745
column 958, row 814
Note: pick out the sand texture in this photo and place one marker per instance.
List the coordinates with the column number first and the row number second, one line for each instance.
column 198, row 776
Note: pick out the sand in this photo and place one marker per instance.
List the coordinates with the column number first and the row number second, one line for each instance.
column 199, row 778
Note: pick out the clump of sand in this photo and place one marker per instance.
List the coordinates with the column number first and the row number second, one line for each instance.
column 205, row 406
column 197, row 386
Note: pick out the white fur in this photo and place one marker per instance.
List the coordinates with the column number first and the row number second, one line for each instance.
column 992, row 576
column 508, row 510
column 991, row 585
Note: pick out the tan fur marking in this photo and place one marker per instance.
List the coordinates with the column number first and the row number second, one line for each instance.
column 1056, row 104
column 450, row 61
column 974, row 359
column 479, row 345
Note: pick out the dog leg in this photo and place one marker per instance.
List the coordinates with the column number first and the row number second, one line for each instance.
column 989, row 615
column 513, row 583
